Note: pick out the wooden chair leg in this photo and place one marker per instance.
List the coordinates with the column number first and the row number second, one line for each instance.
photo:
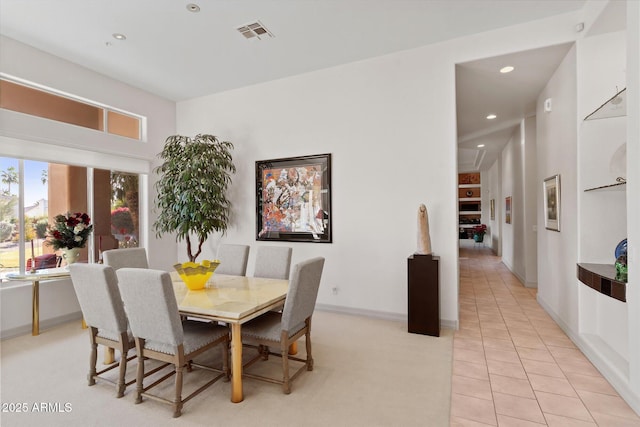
column 307, row 339
column 120, row 386
column 264, row 351
column 140, row 371
column 286, row 385
column 93, row 358
column 177, row 400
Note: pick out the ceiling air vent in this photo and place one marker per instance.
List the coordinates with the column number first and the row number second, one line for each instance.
column 255, row 30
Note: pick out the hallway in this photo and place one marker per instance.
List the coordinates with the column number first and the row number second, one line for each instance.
column 513, row 366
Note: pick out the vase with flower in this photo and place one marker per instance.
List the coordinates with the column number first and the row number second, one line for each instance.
column 69, row 233
column 479, row 232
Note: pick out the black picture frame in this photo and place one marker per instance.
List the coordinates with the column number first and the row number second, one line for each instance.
column 293, row 199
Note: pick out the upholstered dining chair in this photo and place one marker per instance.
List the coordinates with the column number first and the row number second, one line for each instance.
column 97, row 290
column 280, row 330
column 127, row 257
column 160, row 334
column 233, row 259
column 273, row 262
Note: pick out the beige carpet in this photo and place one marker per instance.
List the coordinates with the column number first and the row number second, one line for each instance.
column 368, row 372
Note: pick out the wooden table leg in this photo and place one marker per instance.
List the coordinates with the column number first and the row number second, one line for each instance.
column 35, row 309
column 236, row 363
column 109, row 355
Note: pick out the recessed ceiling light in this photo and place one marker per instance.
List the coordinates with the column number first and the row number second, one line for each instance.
column 491, row 116
column 119, row 36
column 480, row 145
column 192, row 7
column 506, row 69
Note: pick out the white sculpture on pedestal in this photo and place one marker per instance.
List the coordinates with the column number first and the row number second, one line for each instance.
column 424, row 239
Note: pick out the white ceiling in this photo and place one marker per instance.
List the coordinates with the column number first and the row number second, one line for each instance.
column 179, row 55
column 482, row 90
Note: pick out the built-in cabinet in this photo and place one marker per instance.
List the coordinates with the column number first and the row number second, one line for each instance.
column 469, row 203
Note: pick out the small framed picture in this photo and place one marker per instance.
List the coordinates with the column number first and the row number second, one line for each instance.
column 552, row 203
column 507, row 210
column 493, row 209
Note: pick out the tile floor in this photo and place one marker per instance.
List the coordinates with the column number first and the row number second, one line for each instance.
column 513, row 366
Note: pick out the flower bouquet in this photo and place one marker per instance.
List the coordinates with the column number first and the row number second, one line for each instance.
column 69, row 231
column 479, row 232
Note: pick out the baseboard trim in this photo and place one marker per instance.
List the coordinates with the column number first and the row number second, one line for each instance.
column 444, row 323
column 44, row 324
column 449, row 324
column 611, row 373
column 515, row 273
column 362, row 312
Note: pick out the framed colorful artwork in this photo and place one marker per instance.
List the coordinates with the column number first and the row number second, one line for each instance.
column 507, row 210
column 293, row 199
column 552, row 203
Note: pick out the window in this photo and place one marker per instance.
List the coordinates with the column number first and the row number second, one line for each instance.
column 40, row 103
column 32, row 193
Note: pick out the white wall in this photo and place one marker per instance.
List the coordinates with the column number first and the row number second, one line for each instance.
column 557, row 154
column 494, row 189
column 390, row 124
column 602, row 70
column 367, row 115
column 530, row 208
column 485, row 206
column 633, row 190
column 513, row 254
column 28, row 137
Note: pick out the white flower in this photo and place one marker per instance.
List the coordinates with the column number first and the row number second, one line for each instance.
column 77, row 238
column 78, row 228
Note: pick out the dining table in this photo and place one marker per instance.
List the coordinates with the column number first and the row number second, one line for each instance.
column 233, row 300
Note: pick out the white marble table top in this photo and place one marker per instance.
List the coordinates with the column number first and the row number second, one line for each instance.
column 232, row 299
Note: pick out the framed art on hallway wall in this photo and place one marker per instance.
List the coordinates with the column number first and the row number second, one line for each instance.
column 552, row 203
column 293, row 199
column 507, row 210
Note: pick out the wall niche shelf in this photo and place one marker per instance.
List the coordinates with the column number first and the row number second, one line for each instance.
column 618, row 186
column 616, row 106
column 602, row 278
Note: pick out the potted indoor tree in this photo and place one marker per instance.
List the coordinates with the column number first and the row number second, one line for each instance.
column 194, row 176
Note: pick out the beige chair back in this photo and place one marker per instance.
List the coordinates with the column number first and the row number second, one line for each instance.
column 273, row 262
column 126, row 258
column 233, row 259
